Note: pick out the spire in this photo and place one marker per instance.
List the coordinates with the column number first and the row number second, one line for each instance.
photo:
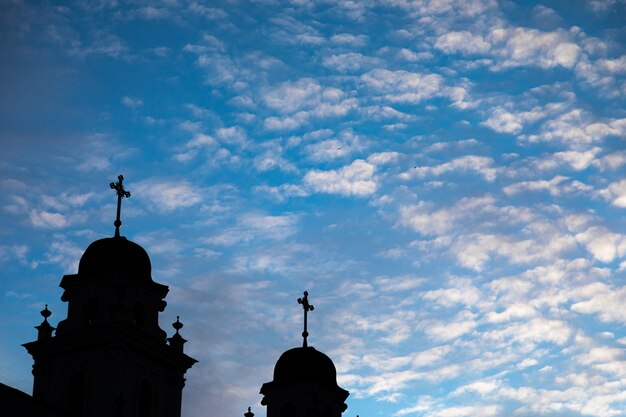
column 44, row 330
column 306, row 307
column 249, row 413
column 121, row 193
column 177, row 340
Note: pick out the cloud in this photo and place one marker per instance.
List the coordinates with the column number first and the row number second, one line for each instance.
column 300, row 101
column 251, row 226
column 289, row 97
column 10, row 253
column 46, row 219
column 131, row 102
column 211, row 13
column 349, row 39
column 382, row 158
column 357, row 179
column 444, row 331
column 165, row 195
column 344, row 145
column 402, row 86
column 349, row 62
column 556, row 186
column 578, row 127
column 461, row 292
column 271, row 160
column 475, row 249
column 464, row 42
column 234, row 135
column 482, row 165
column 606, row 302
column 604, row 245
column 616, row 193
column 282, row 192
column 511, row 47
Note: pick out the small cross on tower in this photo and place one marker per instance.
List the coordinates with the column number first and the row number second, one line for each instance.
column 121, row 193
column 307, row 307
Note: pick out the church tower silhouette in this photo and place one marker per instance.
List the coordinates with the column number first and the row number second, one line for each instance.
column 305, row 382
column 109, row 357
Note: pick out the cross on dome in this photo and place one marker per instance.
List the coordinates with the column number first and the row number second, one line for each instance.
column 306, row 307
column 121, row 193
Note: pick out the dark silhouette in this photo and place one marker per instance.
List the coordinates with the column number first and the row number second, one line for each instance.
column 110, row 358
column 306, row 307
column 305, row 382
column 121, row 193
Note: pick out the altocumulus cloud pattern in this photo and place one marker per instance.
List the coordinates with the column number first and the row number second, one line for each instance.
column 446, row 177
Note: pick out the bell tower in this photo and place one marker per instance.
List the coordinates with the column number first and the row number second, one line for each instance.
column 305, row 382
column 109, row 357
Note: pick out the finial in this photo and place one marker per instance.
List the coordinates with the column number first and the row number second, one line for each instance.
column 307, row 307
column 177, row 340
column 177, row 324
column 121, row 193
column 249, row 413
column 45, row 313
column 44, row 330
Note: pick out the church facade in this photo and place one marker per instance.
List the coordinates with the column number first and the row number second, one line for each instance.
column 110, row 358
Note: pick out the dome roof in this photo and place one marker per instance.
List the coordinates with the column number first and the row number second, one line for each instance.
column 305, row 364
column 116, row 255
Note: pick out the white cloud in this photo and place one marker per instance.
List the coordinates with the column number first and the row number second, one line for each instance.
column 47, row 219
column 503, row 121
column 271, row 160
column 234, row 135
column 327, row 150
column 476, row 249
column 426, row 218
column 349, row 62
column 610, row 161
column 606, row 302
column 460, row 292
column 553, row 186
column 290, row 97
column 577, row 127
column 298, row 102
column 382, row 158
column 616, row 193
column 283, row 191
column 11, row 253
column 482, row 165
column 512, row 47
column 357, row 179
column 252, row 226
column 168, row 195
column 349, row 39
column 578, row 160
column 131, row 102
column 464, row 42
column 403, row 86
column 604, row 245
column 423, row 219
column 463, row 323
column 522, row 46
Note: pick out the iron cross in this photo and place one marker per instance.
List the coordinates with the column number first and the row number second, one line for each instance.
column 121, row 193
column 307, row 307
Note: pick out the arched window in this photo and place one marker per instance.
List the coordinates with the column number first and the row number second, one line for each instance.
column 144, row 402
column 76, row 406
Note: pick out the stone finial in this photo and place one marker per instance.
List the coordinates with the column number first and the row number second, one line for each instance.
column 44, row 330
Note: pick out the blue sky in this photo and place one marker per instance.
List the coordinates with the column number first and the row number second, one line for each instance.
column 445, row 178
